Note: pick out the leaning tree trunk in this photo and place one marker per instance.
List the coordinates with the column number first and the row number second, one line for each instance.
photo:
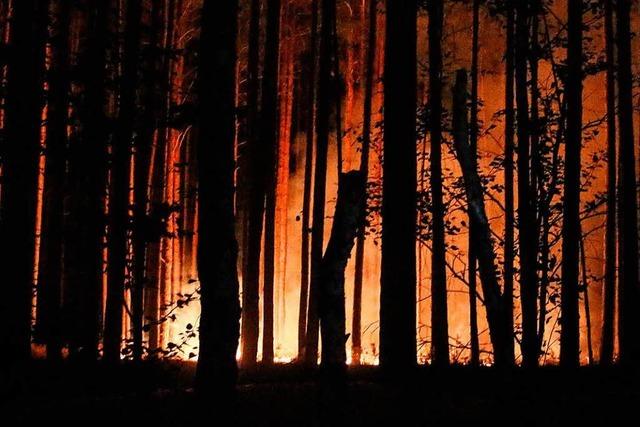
column 48, row 318
column 628, row 292
column 609, row 291
column 20, row 156
column 217, row 247
column 398, row 277
column 482, row 243
column 439, row 311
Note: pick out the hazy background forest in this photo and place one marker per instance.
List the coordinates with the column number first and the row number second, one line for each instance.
column 269, row 185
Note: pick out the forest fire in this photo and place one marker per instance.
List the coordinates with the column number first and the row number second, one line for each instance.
column 337, row 193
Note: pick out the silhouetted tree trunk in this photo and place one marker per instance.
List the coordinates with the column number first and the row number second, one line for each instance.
column 482, row 242
column 351, row 190
column 570, row 338
column 325, row 101
column 51, row 235
column 628, row 292
column 84, row 231
column 119, row 220
column 526, row 217
column 269, row 133
column 20, row 156
column 509, row 147
column 217, row 247
column 398, row 278
column 439, row 311
column 609, row 291
column 356, row 329
column 473, row 145
column 308, row 175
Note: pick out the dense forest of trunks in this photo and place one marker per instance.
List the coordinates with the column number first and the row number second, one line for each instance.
column 145, row 146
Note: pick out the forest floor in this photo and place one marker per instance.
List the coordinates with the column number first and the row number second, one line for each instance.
column 161, row 394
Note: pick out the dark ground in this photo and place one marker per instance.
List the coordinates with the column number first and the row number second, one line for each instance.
column 161, row 395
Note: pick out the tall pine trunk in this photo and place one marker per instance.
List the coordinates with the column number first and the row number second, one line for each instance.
column 398, row 278
column 439, row 311
column 356, row 328
column 20, row 158
column 51, row 237
column 571, row 235
column 119, row 220
column 609, row 291
column 628, row 292
column 217, row 247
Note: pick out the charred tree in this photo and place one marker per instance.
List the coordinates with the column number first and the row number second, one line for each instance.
column 609, row 291
column 439, row 311
column 119, row 218
column 48, row 326
column 372, row 36
column 398, row 278
column 21, row 152
column 628, row 292
column 217, row 247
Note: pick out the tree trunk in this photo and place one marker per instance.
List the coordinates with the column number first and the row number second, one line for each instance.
column 308, row 175
column 482, row 242
column 628, row 292
column 325, row 101
column 119, row 219
column 473, row 141
column 356, row 329
column 526, row 217
column 398, row 278
column 439, row 311
column 48, row 318
column 217, row 247
column 351, row 190
column 609, row 291
column 20, row 158
column 509, row 146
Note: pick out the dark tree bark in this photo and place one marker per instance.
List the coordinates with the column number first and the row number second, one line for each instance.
column 20, row 157
column 482, row 242
column 217, row 247
column 509, row 147
column 398, row 278
column 84, row 232
column 351, row 190
column 609, row 291
column 628, row 291
column 255, row 199
column 270, row 137
column 570, row 338
column 48, row 327
column 325, row 101
column 356, row 329
column 439, row 311
column 119, row 219
column 526, row 217
column 308, row 175
column 473, row 145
